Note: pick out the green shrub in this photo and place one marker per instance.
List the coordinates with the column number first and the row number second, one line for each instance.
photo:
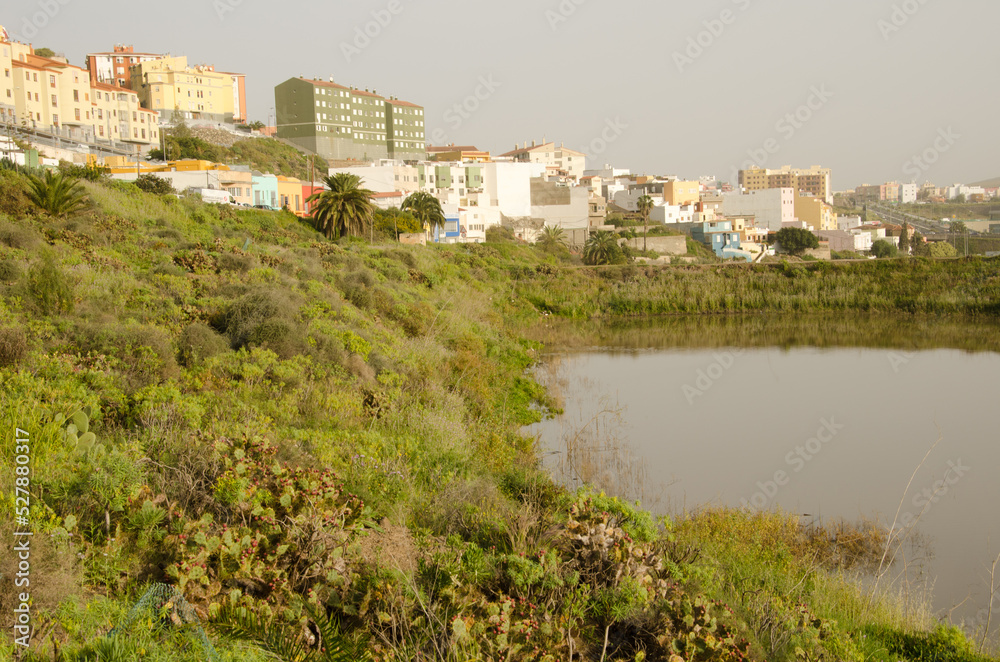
column 14, row 200
column 232, row 262
column 145, row 354
column 13, row 346
column 18, row 235
column 49, row 288
column 199, row 342
column 9, row 271
column 264, row 318
column 153, row 184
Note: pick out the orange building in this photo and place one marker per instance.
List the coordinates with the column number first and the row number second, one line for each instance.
column 114, row 68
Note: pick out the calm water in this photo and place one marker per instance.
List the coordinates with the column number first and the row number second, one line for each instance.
column 827, row 433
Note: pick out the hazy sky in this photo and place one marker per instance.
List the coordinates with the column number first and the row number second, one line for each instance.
column 679, row 87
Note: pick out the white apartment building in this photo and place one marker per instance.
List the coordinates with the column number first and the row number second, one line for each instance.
column 773, row 208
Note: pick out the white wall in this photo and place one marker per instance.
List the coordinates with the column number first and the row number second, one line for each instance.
column 773, row 208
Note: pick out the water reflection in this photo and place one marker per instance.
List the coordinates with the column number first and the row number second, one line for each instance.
column 828, row 417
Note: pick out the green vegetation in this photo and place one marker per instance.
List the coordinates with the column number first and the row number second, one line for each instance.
column 645, row 205
column 883, row 249
column 263, row 154
column 343, row 207
column 318, row 444
column 603, row 248
column 153, row 184
column 425, row 208
column 56, row 194
column 796, row 241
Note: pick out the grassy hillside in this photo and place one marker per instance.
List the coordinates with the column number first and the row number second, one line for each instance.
column 263, row 154
column 225, row 402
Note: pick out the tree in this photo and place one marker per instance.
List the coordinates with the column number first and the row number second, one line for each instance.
column 795, row 241
column 904, row 240
column 44, row 52
column 395, row 222
column 153, row 184
column 958, row 227
column 645, row 205
column 603, row 248
column 345, row 208
column 920, row 247
column 942, row 249
column 882, row 249
column 551, row 238
column 426, row 208
column 57, row 194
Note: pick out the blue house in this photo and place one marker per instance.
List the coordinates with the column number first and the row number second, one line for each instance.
column 719, row 236
column 265, row 190
column 451, row 233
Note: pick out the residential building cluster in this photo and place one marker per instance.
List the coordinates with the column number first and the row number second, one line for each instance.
column 49, row 94
column 894, row 192
column 117, row 103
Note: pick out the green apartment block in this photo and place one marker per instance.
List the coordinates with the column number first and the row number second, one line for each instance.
column 339, row 122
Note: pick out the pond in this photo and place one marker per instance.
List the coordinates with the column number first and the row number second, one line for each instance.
column 891, row 420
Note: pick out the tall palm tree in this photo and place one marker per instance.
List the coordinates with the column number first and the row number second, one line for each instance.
column 344, row 209
column 57, row 194
column 426, row 208
column 645, row 205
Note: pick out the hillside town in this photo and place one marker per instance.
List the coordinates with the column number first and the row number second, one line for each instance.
column 120, row 105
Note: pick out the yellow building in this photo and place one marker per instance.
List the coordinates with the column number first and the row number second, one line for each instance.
column 681, row 193
column 290, row 194
column 9, row 54
column 117, row 116
column 169, row 86
column 51, row 95
column 815, row 213
column 814, row 180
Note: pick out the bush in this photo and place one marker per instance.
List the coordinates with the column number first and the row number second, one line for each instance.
column 18, row 235
column 232, row 262
column 14, row 200
column 13, row 346
column 145, row 353
column 499, row 235
column 199, row 342
column 264, row 319
column 153, row 184
column 942, row 249
column 882, row 248
column 9, row 271
column 49, row 288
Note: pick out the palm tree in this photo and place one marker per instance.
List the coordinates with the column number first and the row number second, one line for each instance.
column 602, row 248
column 56, row 193
column 645, row 205
column 426, row 208
column 344, row 209
column 552, row 237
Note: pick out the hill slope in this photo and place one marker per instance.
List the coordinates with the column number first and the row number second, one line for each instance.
column 308, row 428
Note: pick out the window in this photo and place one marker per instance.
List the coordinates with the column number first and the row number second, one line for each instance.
column 55, row 102
column 76, row 96
column 77, row 113
column 52, row 81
